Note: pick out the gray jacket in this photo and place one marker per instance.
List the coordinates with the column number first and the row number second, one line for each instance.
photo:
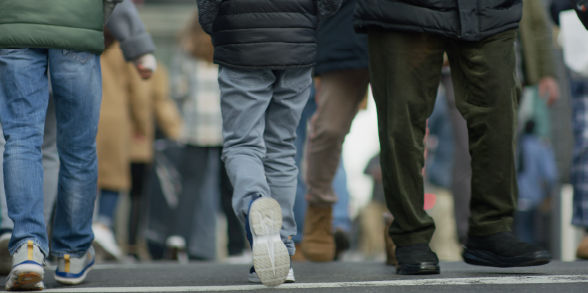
column 126, row 26
column 208, row 10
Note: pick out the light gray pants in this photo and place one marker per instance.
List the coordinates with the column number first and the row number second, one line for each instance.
column 261, row 109
column 50, row 171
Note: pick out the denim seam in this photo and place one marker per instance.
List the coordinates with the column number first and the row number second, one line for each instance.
column 23, row 242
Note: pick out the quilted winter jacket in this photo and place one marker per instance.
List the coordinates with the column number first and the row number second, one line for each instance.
column 468, row 20
column 58, row 24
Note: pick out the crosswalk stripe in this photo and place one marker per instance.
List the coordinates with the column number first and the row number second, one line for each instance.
column 509, row 280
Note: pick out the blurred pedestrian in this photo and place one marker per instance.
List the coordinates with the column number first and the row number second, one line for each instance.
column 196, row 92
column 537, row 177
column 579, row 93
column 341, row 64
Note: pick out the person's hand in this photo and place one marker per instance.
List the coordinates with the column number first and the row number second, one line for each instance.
column 549, row 89
column 146, row 65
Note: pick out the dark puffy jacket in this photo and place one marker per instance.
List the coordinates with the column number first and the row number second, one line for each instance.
column 60, row 24
column 469, row 20
column 339, row 47
column 274, row 34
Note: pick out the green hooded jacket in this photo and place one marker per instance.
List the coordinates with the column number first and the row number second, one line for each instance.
column 58, row 24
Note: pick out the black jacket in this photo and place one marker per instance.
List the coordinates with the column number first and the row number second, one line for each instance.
column 339, row 47
column 580, row 6
column 469, row 20
column 274, row 34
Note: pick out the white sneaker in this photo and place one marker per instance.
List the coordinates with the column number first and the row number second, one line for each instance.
column 104, row 239
column 176, row 246
column 270, row 255
column 73, row 270
column 27, row 270
column 5, row 258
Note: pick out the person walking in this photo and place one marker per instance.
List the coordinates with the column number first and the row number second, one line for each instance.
column 264, row 76
column 54, row 43
column 406, row 43
column 342, row 66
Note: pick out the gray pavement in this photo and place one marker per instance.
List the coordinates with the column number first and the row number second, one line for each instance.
column 556, row 277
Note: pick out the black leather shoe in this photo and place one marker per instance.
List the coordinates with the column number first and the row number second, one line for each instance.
column 416, row 259
column 503, row 250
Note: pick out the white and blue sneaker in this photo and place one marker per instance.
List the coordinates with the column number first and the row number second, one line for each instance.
column 73, row 270
column 27, row 268
column 271, row 260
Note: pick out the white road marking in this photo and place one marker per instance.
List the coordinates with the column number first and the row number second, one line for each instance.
column 556, row 279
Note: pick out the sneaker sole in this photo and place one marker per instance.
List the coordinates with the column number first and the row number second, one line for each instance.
column 425, row 268
column 73, row 281
column 270, row 256
column 289, row 279
column 26, row 277
column 489, row 259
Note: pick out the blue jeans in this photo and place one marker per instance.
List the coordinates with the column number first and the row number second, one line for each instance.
column 50, row 171
column 107, row 203
column 24, row 94
column 261, row 110
column 579, row 172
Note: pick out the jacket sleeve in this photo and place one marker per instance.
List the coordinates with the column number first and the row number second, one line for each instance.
column 207, row 12
column 127, row 28
column 536, row 42
column 329, row 7
column 109, row 7
column 166, row 112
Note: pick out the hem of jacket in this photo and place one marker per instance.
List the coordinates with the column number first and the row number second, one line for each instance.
column 268, row 66
column 334, row 65
column 365, row 26
column 54, row 37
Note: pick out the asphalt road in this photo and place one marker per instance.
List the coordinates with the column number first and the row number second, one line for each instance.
column 556, row 277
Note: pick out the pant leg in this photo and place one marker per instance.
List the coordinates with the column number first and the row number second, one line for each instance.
column 462, row 171
column 338, row 101
column 291, row 91
column 50, row 171
column 486, row 95
column 6, row 224
column 245, row 95
column 50, row 163
column 236, row 235
column 300, row 201
column 341, row 218
column 136, row 213
column 107, row 202
column 77, row 90
column 579, row 174
column 405, row 70
column 198, row 202
column 24, row 94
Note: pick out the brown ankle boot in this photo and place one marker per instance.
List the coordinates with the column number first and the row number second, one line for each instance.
column 298, row 255
column 582, row 251
column 390, row 246
column 318, row 243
